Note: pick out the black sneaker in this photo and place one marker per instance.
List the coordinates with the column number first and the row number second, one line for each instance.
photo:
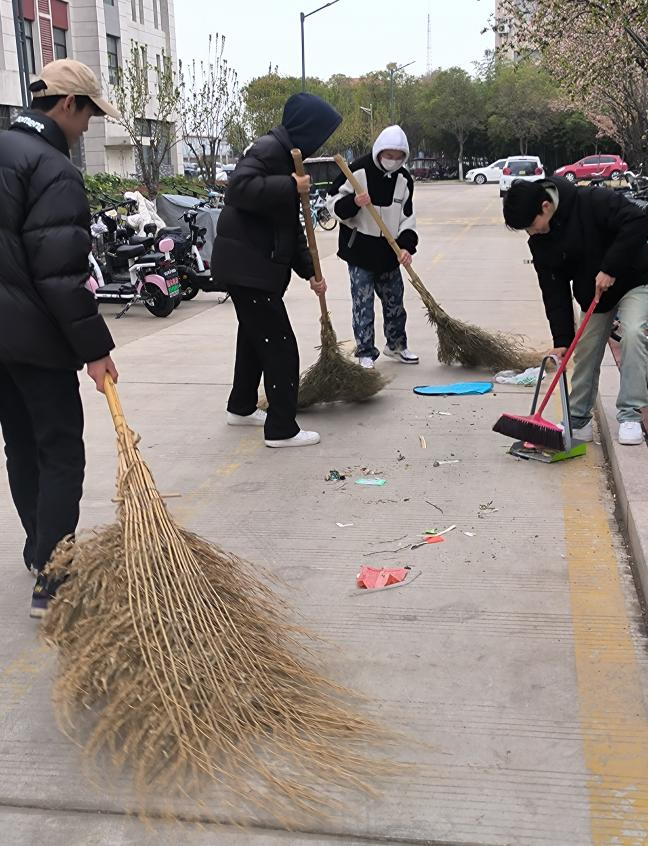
column 40, row 598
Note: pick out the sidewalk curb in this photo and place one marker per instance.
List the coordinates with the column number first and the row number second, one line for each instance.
column 629, row 466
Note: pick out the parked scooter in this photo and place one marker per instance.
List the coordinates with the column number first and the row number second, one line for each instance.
column 151, row 277
column 193, row 268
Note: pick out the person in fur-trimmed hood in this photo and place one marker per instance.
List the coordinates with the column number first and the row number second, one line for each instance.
column 373, row 265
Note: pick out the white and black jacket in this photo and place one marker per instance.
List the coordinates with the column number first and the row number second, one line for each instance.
column 361, row 242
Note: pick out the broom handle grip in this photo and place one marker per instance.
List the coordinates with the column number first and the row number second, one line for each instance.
column 567, row 356
column 310, row 230
column 113, row 403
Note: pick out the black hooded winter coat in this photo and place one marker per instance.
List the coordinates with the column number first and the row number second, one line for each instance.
column 592, row 230
column 47, row 316
column 259, row 238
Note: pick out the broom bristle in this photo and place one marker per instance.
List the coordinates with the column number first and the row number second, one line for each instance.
column 471, row 346
column 335, row 377
column 533, row 430
column 188, row 671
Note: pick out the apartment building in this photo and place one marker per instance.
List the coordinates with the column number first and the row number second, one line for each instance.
column 100, row 34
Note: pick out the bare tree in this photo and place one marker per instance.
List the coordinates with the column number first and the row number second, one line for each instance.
column 210, row 106
column 152, row 137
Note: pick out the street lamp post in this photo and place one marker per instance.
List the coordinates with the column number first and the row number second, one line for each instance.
column 393, row 70
column 368, row 110
column 302, row 18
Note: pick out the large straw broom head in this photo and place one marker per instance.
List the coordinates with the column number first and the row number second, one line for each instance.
column 184, row 662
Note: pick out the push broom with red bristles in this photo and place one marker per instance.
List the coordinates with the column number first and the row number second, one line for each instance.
column 534, row 429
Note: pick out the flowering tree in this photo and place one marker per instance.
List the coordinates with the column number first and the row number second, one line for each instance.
column 210, row 106
column 597, row 51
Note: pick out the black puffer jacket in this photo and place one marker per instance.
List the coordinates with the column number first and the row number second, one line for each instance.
column 593, row 230
column 47, row 317
column 259, row 238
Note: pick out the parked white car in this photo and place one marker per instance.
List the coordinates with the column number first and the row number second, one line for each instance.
column 529, row 168
column 490, row 173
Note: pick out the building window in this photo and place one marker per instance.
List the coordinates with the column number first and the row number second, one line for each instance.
column 113, row 58
column 29, row 41
column 134, row 9
column 5, row 117
column 60, row 43
column 109, row 2
column 156, row 17
column 141, row 11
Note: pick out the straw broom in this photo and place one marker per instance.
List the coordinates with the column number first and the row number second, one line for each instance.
column 183, row 661
column 459, row 342
column 334, row 377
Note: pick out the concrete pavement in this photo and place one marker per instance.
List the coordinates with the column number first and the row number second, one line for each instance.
column 518, row 656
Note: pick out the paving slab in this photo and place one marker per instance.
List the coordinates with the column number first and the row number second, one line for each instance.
column 517, row 658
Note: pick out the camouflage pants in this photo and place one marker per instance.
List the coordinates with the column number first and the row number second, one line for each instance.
column 365, row 284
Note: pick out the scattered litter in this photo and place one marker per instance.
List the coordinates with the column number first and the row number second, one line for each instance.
column 440, row 414
column 448, row 461
column 343, row 525
column 430, row 539
column 528, row 378
column 404, row 583
column 390, row 540
column 372, row 482
column 399, row 456
column 335, row 476
column 487, row 508
column 437, row 533
column 423, row 442
column 440, row 510
column 457, row 388
column 373, row 578
column 469, row 534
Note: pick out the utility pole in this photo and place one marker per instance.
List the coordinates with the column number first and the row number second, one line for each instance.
column 21, row 51
column 429, row 45
column 369, row 111
column 302, row 18
column 393, row 70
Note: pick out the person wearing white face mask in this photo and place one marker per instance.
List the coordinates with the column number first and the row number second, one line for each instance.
column 373, row 266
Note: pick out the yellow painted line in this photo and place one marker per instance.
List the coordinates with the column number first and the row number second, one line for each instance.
column 608, row 674
column 250, row 443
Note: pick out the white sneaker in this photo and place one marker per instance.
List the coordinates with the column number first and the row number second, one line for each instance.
column 405, row 356
column 366, row 362
column 585, row 433
column 631, row 433
column 301, row 439
column 257, row 418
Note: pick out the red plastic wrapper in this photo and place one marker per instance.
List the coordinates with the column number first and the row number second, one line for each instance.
column 374, row 579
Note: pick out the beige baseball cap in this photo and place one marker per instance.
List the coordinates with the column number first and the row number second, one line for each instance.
column 65, row 76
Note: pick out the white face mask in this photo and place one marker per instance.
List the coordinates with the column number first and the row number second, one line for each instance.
column 391, row 165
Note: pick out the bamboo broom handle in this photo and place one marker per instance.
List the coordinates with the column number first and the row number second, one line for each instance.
column 310, row 231
column 114, row 404
column 380, row 223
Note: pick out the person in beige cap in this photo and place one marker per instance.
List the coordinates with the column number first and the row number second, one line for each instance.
column 49, row 324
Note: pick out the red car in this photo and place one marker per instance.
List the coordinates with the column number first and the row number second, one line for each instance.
column 609, row 167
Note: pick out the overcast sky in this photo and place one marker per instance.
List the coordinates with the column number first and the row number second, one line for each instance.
column 352, row 37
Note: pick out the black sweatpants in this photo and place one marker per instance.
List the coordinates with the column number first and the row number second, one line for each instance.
column 265, row 344
column 42, row 425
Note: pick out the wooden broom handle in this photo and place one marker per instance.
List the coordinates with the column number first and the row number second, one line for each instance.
column 310, row 231
column 114, row 404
